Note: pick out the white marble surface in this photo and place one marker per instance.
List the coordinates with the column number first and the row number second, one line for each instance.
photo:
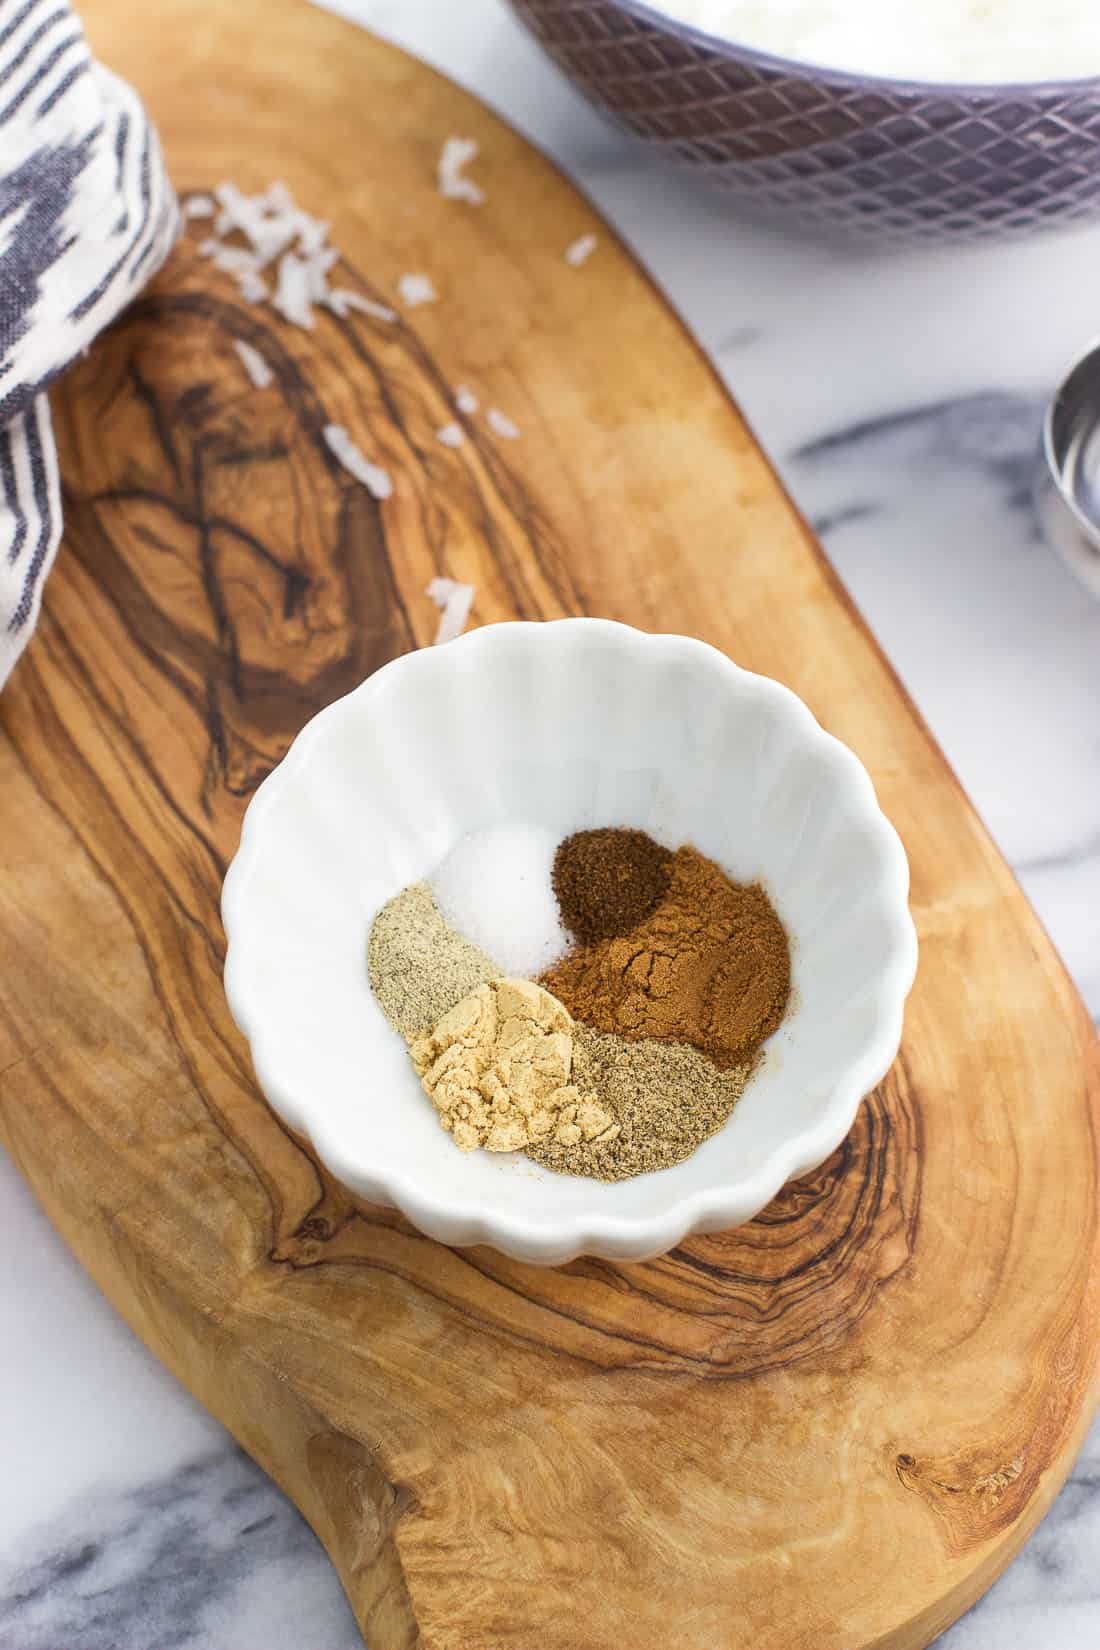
column 900, row 395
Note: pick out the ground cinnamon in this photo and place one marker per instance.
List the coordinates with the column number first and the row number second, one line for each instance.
column 709, row 966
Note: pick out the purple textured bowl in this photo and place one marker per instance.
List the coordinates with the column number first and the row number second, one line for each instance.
column 892, row 159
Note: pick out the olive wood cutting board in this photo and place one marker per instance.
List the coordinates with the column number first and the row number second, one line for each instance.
column 829, row 1429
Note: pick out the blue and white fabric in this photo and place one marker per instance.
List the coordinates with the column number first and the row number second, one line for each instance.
column 86, row 216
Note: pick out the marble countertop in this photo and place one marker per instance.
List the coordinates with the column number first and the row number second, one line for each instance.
column 901, row 395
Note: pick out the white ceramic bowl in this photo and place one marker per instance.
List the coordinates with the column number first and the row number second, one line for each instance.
column 576, row 723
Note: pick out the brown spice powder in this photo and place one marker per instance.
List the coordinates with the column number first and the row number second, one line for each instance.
column 607, row 881
column 710, row 966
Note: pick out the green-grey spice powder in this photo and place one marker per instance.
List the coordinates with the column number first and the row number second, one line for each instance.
column 666, row 1097
column 419, row 967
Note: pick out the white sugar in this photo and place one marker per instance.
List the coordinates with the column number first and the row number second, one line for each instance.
column 494, row 887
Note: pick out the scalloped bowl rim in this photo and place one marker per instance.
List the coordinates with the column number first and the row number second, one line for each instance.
column 711, row 1208
column 796, row 67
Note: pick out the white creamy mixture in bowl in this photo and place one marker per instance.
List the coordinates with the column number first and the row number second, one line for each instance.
column 994, row 41
column 952, row 120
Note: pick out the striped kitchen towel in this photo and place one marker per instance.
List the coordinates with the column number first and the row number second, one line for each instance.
column 86, row 216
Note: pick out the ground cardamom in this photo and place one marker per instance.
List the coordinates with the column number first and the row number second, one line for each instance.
column 665, row 1098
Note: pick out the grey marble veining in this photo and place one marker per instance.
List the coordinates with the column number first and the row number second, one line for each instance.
column 209, row 1556
column 927, row 515
column 900, row 396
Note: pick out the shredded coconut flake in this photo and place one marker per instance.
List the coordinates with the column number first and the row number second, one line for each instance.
column 465, row 400
column 501, row 424
column 292, row 291
column 278, row 197
column 451, row 435
column 277, row 230
column 267, row 233
column 580, row 250
column 457, row 154
column 416, row 289
column 341, row 301
column 199, row 206
column 312, row 234
column 455, row 600
column 252, row 288
column 254, row 364
column 234, row 260
column 270, row 222
column 373, row 477
column 317, row 265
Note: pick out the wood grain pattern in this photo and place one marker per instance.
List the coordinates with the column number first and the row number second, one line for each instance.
column 830, row 1429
